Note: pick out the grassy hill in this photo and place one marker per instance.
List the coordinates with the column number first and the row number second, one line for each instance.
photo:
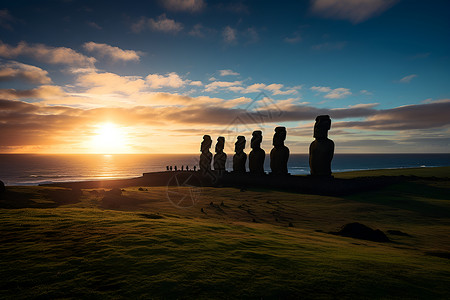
column 231, row 243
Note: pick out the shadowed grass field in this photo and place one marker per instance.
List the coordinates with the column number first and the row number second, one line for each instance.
column 59, row 243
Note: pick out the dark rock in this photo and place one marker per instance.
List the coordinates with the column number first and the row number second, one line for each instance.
column 140, row 189
column 360, row 231
column 2, row 187
column 152, row 216
column 253, row 220
column 222, row 204
column 290, row 224
column 397, row 232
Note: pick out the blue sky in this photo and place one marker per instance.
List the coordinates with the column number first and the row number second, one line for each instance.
column 163, row 73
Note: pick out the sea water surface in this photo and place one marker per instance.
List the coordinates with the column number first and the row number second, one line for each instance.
column 34, row 169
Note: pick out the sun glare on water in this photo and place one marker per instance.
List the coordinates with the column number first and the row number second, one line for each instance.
column 109, row 139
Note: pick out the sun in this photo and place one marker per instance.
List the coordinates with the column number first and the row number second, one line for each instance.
column 108, row 139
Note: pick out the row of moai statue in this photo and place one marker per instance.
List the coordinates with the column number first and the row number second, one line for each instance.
column 321, row 152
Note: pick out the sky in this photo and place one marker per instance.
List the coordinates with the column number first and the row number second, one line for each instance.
column 155, row 76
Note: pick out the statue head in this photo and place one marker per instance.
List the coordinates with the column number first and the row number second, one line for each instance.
column 255, row 143
column 206, row 143
column 239, row 146
column 279, row 136
column 220, row 144
column 323, row 124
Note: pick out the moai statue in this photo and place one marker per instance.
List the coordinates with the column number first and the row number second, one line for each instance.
column 220, row 158
column 240, row 158
column 280, row 153
column 322, row 149
column 170, row 168
column 167, row 168
column 257, row 155
column 206, row 156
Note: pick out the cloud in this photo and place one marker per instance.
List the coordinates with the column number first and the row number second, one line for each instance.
column 108, row 83
column 6, row 19
column 356, row 11
column 162, row 23
column 408, row 117
column 251, row 35
column 407, row 79
column 42, row 92
column 200, row 31
column 39, row 124
column 221, row 84
column 228, row 72
column 296, row 38
column 184, row 5
column 115, row 53
column 196, row 83
column 337, row 93
column 171, row 80
column 275, row 88
column 94, row 25
column 47, row 54
column 14, row 70
column 229, row 35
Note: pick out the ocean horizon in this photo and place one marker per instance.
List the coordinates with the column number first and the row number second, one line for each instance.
column 35, row 169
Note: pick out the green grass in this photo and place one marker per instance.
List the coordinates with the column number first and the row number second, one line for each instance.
column 54, row 245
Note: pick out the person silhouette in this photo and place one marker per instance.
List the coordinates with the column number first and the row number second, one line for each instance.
column 321, row 150
column 257, row 155
column 240, row 158
column 279, row 155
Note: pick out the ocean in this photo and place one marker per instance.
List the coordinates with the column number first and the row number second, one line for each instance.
column 34, row 169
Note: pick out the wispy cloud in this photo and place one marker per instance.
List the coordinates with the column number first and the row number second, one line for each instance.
column 184, row 5
column 221, row 84
column 330, row 93
column 294, row 39
column 356, row 11
column 6, row 19
column 198, row 30
column 162, row 23
column 407, row 79
column 228, row 72
column 114, row 53
column 229, row 35
column 94, row 25
column 47, row 54
column 12, row 70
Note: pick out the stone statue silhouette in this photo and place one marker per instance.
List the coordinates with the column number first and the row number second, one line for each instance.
column 280, row 153
column 240, row 157
column 206, row 156
column 257, row 155
column 220, row 158
column 322, row 149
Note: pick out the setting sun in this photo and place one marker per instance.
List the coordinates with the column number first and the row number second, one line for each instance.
column 108, row 138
